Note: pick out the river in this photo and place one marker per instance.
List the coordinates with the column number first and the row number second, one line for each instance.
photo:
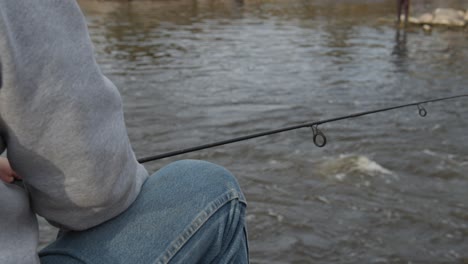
column 387, row 188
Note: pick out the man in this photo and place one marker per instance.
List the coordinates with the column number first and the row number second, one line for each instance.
column 62, row 125
column 403, row 5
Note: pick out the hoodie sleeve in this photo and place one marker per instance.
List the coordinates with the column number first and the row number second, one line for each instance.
column 19, row 232
column 62, row 119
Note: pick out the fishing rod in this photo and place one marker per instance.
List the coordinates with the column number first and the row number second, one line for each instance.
column 319, row 137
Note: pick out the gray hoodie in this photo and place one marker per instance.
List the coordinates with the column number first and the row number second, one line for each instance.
column 62, row 123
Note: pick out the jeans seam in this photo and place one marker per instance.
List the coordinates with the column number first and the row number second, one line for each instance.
column 196, row 224
column 59, row 252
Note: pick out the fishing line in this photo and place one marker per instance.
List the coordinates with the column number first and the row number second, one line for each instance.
column 319, row 138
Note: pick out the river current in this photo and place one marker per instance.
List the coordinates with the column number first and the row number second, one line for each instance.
column 387, row 188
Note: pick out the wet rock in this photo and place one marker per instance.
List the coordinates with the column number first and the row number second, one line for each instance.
column 426, row 18
column 442, row 16
column 414, row 20
column 449, row 17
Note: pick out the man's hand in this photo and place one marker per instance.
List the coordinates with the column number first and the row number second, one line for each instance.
column 6, row 172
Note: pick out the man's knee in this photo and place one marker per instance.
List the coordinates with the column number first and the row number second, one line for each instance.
column 202, row 176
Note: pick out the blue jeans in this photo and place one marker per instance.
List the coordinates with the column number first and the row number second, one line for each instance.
column 187, row 212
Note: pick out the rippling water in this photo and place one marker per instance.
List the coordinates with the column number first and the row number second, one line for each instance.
column 387, row 188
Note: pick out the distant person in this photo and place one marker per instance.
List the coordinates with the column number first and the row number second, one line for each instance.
column 62, row 125
column 403, row 6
